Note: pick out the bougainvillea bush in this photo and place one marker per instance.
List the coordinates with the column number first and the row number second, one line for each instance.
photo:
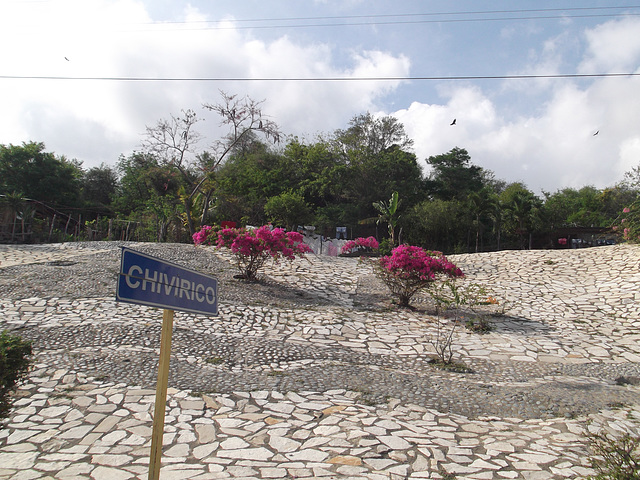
column 252, row 248
column 207, row 235
column 360, row 244
column 410, row 269
column 628, row 223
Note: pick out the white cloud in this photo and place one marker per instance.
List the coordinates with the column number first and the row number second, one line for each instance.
column 548, row 147
column 613, row 47
column 555, row 146
column 96, row 120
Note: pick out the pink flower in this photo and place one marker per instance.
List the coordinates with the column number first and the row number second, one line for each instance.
column 360, row 243
column 409, row 269
column 626, row 210
column 253, row 248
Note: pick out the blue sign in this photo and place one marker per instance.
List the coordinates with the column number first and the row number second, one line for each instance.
column 148, row 280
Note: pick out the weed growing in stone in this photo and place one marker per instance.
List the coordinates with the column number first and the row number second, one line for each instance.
column 614, row 457
column 15, row 362
column 448, row 298
column 214, row 360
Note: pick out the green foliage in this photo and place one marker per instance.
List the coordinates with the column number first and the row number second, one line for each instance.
column 453, row 176
column 171, row 189
column 447, row 296
column 39, row 175
column 615, row 457
column 385, row 247
column 14, row 365
column 575, row 208
column 153, row 193
column 437, row 225
column 627, row 225
column 373, row 135
column 522, row 212
column 99, row 189
column 288, row 209
column 387, row 213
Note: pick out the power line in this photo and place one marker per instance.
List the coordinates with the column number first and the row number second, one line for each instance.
column 409, row 22
column 377, row 19
column 319, row 79
column 402, row 15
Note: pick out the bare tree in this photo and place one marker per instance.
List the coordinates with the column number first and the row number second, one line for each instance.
column 174, row 142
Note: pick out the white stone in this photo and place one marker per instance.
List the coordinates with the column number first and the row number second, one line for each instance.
column 233, row 443
column 283, row 444
column 107, row 473
column 258, row 454
column 18, row 461
column 396, row 443
column 307, row 455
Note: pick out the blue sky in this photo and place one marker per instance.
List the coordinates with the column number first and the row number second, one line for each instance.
column 539, row 131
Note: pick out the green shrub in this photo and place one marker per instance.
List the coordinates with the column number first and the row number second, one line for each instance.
column 15, row 360
column 615, row 458
column 385, row 247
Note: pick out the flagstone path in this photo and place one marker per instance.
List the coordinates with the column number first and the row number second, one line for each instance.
column 314, row 374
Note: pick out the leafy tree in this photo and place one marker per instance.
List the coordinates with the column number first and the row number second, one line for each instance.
column 616, row 198
column 453, row 176
column 288, row 209
column 151, row 190
column 372, row 135
column 247, row 180
column 320, row 173
column 174, row 142
column 39, row 175
column 438, row 225
column 99, row 189
column 16, row 204
column 376, row 160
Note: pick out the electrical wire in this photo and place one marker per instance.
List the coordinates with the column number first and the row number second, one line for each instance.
column 322, row 79
column 431, row 14
column 416, row 18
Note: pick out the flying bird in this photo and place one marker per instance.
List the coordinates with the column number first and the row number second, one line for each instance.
column 66, row 59
column 596, row 133
column 454, row 122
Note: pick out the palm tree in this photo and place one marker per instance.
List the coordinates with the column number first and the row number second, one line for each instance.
column 482, row 202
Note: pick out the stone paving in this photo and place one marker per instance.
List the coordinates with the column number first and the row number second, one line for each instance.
column 572, row 329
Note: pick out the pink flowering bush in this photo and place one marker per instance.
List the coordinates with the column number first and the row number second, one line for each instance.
column 628, row 223
column 360, row 244
column 410, row 269
column 207, row 235
column 253, row 248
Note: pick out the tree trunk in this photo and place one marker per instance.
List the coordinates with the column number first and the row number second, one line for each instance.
column 187, row 205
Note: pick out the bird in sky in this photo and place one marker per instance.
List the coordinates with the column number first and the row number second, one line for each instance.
column 66, row 59
column 454, row 122
column 596, row 133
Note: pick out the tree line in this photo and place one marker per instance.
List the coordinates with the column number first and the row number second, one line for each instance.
column 254, row 175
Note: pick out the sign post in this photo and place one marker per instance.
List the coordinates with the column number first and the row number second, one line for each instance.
column 155, row 460
column 148, row 280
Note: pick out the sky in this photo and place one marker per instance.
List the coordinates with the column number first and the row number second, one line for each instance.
column 544, row 92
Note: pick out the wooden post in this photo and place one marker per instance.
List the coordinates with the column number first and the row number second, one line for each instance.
column 53, row 222
column 161, row 395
